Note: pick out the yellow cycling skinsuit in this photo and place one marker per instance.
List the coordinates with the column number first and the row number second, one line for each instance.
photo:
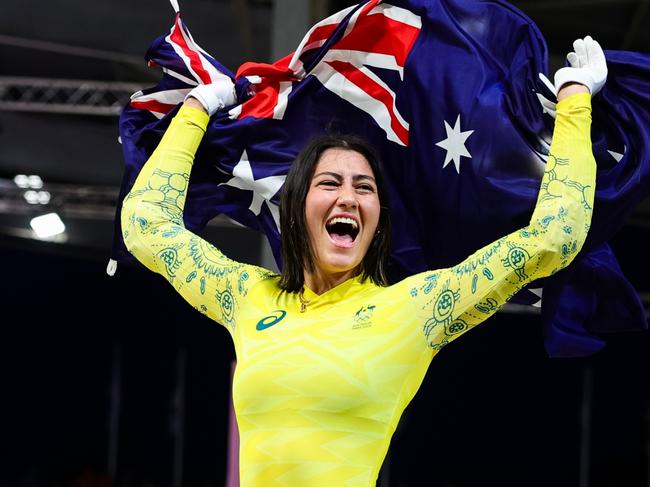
column 318, row 394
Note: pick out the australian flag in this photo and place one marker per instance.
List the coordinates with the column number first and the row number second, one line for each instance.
column 449, row 93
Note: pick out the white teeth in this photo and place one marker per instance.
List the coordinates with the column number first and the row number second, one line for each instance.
column 339, row 219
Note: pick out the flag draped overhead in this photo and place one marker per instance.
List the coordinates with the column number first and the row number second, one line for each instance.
column 448, row 91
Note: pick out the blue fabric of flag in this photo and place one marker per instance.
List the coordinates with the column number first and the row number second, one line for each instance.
column 457, row 118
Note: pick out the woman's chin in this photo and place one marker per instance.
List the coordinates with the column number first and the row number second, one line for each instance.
column 338, row 265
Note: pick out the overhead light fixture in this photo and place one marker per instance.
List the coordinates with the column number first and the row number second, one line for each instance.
column 21, row 180
column 32, row 181
column 37, row 197
column 46, row 226
column 35, row 182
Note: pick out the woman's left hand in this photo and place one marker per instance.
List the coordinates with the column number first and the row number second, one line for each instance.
column 587, row 67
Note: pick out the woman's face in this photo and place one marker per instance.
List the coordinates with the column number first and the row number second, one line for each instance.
column 342, row 211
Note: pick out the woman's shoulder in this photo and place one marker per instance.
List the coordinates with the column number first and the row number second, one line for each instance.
column 259, row 275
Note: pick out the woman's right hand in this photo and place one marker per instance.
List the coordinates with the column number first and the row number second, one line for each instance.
column 214, row 96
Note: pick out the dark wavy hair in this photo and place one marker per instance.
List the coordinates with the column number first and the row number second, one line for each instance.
column 297, row 253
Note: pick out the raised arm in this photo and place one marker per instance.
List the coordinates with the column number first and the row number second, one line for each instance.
column 153, row 229
column 451, row 301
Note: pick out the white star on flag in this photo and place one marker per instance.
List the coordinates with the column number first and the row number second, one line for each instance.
column 454, row 144
column 537, row 292
column 617, row 155
column 263, row 189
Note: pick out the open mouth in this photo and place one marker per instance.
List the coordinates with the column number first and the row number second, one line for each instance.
column 342, row 230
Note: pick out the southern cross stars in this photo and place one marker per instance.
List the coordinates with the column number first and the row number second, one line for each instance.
column 454, row 144
column 263, row 189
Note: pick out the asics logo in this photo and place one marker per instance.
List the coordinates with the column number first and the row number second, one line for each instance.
column 268, row 321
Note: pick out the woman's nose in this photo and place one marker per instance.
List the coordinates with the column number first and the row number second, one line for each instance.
column 348, row 197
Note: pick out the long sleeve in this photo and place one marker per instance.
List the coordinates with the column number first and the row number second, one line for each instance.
column 153, row 229
column 451, row 301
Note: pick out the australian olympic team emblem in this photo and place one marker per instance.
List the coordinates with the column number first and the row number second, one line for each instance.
column 364, row 313
column 363, row 317
column 226, row 302
column 517, row 259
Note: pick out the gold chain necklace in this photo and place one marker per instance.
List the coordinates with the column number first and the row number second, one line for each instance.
column 303, row 301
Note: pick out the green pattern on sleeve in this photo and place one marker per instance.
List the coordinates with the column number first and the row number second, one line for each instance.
column 153, row 229
column 451, row 301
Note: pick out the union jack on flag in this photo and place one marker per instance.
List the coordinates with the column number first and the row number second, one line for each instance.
column 448, row 92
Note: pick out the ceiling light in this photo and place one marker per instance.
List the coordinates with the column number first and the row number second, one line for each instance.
column 46, row 226
column 37, row 197
column 21, row 180
column 35, row 182
column 32, row 181
column 31, row 197
column 43, row 197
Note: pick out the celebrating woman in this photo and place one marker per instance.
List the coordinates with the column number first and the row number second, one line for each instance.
column 329, row 353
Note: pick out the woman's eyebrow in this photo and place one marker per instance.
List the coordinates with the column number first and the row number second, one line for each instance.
column 363, row 177
column 339, row 177
column 335, row 175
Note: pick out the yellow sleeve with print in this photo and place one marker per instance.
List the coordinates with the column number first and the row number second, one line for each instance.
column 154, row 232
column 451, row 301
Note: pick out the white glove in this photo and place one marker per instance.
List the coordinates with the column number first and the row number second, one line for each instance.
column 587, row 66
column 216, row 95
